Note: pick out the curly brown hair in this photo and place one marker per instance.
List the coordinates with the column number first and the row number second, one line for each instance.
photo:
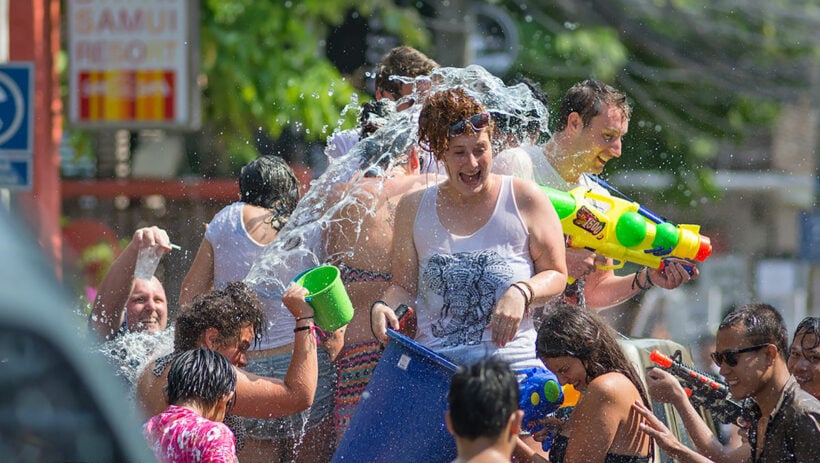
column 439, row 112
column 228, row 310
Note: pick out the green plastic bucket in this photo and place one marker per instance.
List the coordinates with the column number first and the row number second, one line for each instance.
column 327, row 295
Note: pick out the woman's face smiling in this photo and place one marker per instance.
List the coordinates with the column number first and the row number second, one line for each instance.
column 468, row 161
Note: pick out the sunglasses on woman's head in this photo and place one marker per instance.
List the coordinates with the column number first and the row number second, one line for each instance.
column 730, row 355
column 478, row 122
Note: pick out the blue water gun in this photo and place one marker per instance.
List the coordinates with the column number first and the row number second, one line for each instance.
column 540, row 394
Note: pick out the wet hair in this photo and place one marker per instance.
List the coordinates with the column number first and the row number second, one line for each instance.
column 763, row 325
column 587, row 98
column 439, row 112
column 228, row 310
column 203, row 376
column 269, row 182
column 809, row 325
column 482, row 397
column 568, row 331
column 401, row 61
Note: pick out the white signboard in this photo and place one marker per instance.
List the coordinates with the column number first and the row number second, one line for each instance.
column 132, row 63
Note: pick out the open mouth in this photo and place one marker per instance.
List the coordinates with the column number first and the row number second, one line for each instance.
column 471, row 179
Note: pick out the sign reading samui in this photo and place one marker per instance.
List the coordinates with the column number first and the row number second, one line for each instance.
column 130, row 63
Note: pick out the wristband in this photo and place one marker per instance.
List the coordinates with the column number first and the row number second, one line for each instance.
column 298, row 319
column 523, row 293
column 529, row 286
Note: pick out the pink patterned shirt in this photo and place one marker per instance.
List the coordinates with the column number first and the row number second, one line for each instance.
column 180, row 435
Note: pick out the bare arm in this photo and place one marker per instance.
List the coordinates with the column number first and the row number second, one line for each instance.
column 405, row 268
column 151, row 391
column 546, row 247
column 200, row 277
column 108, row 312
column 604, row 289
column 261, row 397
column 605, row 408
column 664, row 438
column 665, row 388
column 546, row 241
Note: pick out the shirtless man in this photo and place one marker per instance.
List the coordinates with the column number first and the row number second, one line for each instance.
column 359, row 243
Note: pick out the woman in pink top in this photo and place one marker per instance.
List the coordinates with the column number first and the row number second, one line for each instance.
column 200, row 390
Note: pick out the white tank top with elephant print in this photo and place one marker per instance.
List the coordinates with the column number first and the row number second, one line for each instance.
column 461, row 278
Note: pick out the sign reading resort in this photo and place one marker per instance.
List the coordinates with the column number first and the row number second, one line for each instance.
column 131, row 63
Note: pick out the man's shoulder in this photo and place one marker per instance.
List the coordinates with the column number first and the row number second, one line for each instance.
column 805, row 403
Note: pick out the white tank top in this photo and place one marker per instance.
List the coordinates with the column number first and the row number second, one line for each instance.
column 234, row 254
column 461, row 278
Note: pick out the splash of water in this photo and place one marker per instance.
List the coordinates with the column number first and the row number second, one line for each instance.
column 301, row 243
column 129, row 353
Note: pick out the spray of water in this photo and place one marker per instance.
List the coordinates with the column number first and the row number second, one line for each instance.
column 301, row 244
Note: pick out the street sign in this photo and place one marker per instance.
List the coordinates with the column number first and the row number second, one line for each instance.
column 16, row 125
column 132, row 64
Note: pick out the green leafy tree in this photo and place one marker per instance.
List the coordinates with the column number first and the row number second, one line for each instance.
column 266, row 68
column 703, row 75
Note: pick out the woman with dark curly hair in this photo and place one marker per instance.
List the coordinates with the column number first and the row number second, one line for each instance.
column 582, row 349
column 230, row 321
column 804, row 355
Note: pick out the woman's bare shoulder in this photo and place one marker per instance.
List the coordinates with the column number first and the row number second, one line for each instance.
column 614, row 387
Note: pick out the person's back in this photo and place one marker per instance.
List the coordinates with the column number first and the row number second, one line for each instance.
column 359, row 242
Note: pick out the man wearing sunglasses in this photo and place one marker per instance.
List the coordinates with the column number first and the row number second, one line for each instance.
column 784, row 420
column 593, row 118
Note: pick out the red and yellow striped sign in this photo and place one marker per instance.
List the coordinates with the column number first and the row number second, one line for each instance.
column 112, row 96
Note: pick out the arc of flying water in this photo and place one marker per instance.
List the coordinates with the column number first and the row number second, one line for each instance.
column 301, row 244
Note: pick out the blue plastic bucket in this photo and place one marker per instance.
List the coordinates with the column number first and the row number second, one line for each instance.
column 401, row 415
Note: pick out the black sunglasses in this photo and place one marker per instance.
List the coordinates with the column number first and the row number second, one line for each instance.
column 478, row 122
column 730, row 355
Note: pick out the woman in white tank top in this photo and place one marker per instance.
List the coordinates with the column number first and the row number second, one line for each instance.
column 474, row 252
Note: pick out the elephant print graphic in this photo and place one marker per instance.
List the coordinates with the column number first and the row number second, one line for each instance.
column 467, row 282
